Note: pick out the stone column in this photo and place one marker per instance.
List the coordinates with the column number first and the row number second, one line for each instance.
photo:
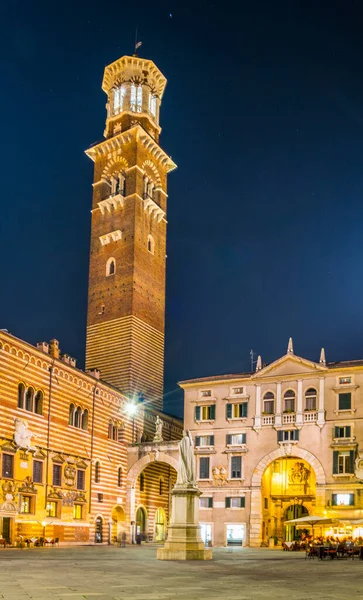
column 278, row 416
column 299, row 408
column 321, row 409
column 130, row 510
column 257, row 424
column 256, row 517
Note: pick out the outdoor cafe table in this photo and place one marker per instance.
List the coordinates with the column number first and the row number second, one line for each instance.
column 324, row 551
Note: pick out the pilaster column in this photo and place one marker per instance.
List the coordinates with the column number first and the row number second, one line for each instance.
column 321, row 408
column 299, row 408
column 278, row 419
column 258, row 407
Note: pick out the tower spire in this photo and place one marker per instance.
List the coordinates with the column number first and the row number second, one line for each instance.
column 259, row 363
column 322, row 360
column 290, row 347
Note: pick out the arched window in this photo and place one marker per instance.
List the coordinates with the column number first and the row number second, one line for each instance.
column 110, row 267
column 136, row 98
column 38, row 402
column 289, row 398
column 72, row 408
column 150, row 244
column 269, row 403
column 21, row 395
column 97, row 472
column 29, row 396
column 152, row 104
column 119, row 477
column 310, row 399
column 160, row 487
column 118, row 99
column 78, row 417
column 142, row 482
column 110, row 429
column 85, row 419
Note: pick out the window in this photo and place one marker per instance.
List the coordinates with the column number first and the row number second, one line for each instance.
column 289, row 400
column 21, row 395
column 8, row 466
column 237, row 391
column 150, row 244
column 152, row 104
column 110, row 267
column 37, row 471
column 345, row 380
column 77, row 511
column 206, row 502
column 119, row 477
column 343, row 462
column 204, row 467
column 29, row 395
column 52, row 509
column 142, row 482
column 72, row 408
column 288, row 435
column 38, row 402
column 266, row 503
column 136, row 98
column 345, row 401
column 115, row 430
column 204, row 440
column 236, row 467
column 84, row 422
column 269, row 403
column 26, row 504
column 206, row 393
column 118, row 98
column 235, row 439
column 236, row 411
column 310, row 399
column 78, row 417
column 342, row 431
column 342, row 499
column 97, row 472
column 99, row 497
column 57, row 475
column 237, row 502
column 160, row 487
column 81, row 476
column 205, row 413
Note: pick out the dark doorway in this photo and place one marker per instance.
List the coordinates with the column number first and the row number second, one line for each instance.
column 6, row 529
column 98, row 531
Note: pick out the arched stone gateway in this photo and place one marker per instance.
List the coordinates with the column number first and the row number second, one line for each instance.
column 301, row 481
column 118, row 517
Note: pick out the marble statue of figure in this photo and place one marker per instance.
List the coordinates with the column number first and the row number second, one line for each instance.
column 23, row 435
column 158, row 437
column 186, row 467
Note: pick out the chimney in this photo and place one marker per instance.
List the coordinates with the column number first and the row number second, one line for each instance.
column 72, row 361
column 94, row 373
column 54, row 348
column 43, row 346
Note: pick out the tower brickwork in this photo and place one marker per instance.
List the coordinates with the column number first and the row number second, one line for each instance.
column 126, row 301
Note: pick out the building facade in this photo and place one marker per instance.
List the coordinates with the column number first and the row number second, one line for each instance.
column 78, row 460
column 277, row 444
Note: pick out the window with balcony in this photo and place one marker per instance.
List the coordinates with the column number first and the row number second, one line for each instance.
column 288, row 435
column 235, row 502
column 204, row 440
column 310, row 399
column 237, row 411
column 345, row 401
column 269, row 403
column 204, row 464
column 205, row 413
column 343, row 462
column 342, row 499
column 37, row 471
column 206, row 502
column 289, row 401
column 236, row 467
column 235, row 439
column 343, row 431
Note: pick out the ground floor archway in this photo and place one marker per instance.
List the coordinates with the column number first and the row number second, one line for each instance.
column 160, row 525
column 141, row 518
column 118, row 526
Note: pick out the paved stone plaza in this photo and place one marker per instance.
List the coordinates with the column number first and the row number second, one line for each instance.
column 107, row 573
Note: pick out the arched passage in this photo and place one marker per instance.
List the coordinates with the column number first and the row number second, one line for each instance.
column 118, row 517
column 288, row 475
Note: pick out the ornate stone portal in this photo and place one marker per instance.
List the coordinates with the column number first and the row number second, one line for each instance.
column 184, row 540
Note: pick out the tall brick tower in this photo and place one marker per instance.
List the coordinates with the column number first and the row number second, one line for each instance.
column 126, row 296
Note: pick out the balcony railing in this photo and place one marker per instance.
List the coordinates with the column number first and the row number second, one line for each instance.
column 268, row 420
column 310, row 416
column 288, row 418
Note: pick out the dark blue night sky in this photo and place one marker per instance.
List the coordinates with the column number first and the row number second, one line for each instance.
column 263, row 113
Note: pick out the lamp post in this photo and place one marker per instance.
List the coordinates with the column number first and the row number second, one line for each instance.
column 131, row 410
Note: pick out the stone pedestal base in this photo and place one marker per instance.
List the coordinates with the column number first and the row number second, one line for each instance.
column 184, row 541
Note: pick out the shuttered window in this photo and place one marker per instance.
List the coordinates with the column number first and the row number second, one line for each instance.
column 205, row 413
column 235, row 502
column 8, row 466
column 204, row 440
column 288, row 435
column 57, row 475
column 342, row 432
column 236, row 467
column 81, row 477
column 345, row 401
column 204, row 467
column 343, row 462
column 237, row 411
column 37, row 471
column 206, row 502
column 235, row 439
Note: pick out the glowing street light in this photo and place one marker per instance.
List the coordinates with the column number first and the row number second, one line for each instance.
column 131, row 410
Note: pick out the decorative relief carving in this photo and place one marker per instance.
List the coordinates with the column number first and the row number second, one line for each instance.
column 219, row 475
column 9, row 496
column 358, row 466
column 23, row 435
column 298, row 473
column 69, row 475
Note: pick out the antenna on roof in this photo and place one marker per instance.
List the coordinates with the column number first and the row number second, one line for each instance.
column 252, row 355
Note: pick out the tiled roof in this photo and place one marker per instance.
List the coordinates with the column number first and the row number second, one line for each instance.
column 218, row 377
column 345, row 363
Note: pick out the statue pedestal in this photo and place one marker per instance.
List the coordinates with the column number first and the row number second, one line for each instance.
column 184, row 541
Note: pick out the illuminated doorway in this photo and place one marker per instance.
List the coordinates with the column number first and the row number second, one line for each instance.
column 235, row 534
column 160, row 525
column 118, row 523
column 141, row 522
column 294, row 511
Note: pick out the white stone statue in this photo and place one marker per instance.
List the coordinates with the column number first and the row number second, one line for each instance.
column 158, row 437
column 358, row 466
column 23, row 435
column 186, row 467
